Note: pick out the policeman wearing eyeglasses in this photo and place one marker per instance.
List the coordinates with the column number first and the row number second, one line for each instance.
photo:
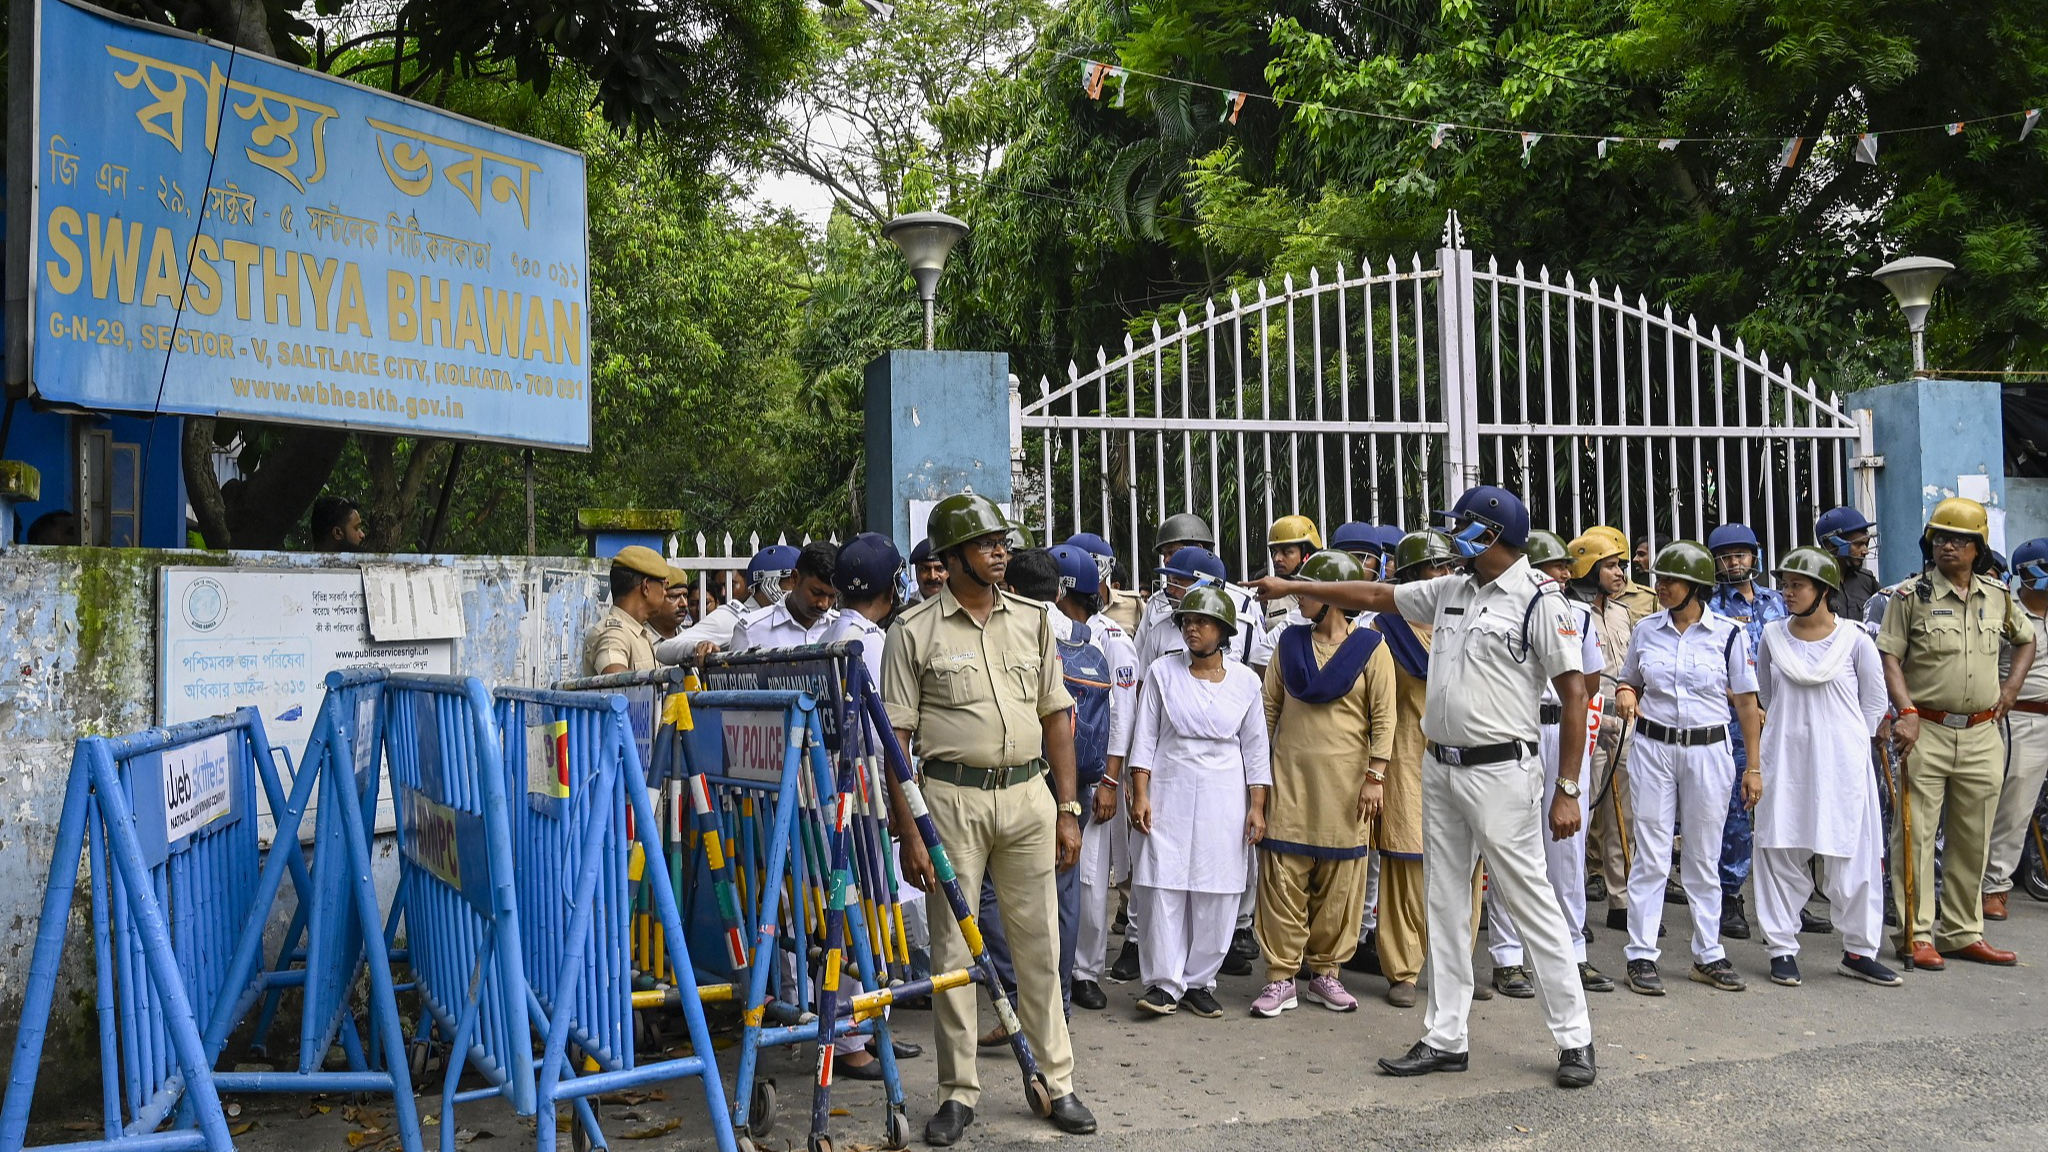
column 1940, row 643
column 1500, row 632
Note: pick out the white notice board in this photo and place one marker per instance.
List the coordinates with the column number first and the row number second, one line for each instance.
column 268, row 637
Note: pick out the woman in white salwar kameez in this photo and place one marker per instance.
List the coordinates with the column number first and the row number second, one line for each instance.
column 1821, row 684
column 1198, row 775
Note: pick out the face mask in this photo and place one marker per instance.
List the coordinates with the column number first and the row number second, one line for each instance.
column 1469, row 539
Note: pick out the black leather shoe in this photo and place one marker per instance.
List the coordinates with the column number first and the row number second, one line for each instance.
column 1071, row 1116
column 1734, row 921
column 1617, row 919
column 1421, row 1060
column 871, row 1070
column 1088, row 994
column 943, row 1130
column 1575, row 1067
column 1125, row 968
column 1674, row 892
column 905, row 1050
column 1813, row 925
column 1596, row 888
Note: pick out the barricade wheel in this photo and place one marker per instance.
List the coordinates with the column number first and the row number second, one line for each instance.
column 761, row 1114
column 2032, row 873
column 1039, row 1096
column 743, row 1143
column 899, row 1131
column 819, row 1142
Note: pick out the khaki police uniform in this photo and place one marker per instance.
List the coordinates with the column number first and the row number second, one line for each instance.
column 1482, row 785
column 1946, row 643
column 1639, row 600
column 617, row 639
column 973, row 695
column 1607, row 835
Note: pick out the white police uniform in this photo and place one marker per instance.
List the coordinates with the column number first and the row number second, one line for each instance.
column 1564, row 860
column 1493, row 649
column 716, row 628
column 1105, row 848
column 1679, row 771
column 774, row 627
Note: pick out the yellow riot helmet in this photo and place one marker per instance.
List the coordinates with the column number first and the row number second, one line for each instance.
column 1959, row 514
column 1295, row 530
column 1593, row 546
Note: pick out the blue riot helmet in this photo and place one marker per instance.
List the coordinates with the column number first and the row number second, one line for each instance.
column 1835, row 524
column 1355, row 537
column 866, row 564
column 769, row 568
column 1078, row 571
column 2030, row 564
column 1483, row 512
column 1193, row 563
column 1097, row 548
column 1733, row 537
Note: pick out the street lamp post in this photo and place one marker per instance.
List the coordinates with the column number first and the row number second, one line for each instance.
column 925, row 239
column 1913, row 279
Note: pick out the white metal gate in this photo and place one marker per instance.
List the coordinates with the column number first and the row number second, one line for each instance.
column 1379, row 394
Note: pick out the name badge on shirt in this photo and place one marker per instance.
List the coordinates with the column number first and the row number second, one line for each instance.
column 1454, row 611
column 1942, row 612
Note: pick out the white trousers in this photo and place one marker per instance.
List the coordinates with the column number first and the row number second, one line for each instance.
column 1370, row 922
column 1102, row 850
column 1854, row 886
column 1669, row 784
column 2026, row 764
column 1248, row 900
column 1497, row 811
column 1563, row 860
column 1184, row 938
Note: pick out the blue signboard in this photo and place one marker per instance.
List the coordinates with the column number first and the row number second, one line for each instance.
column 221, row 233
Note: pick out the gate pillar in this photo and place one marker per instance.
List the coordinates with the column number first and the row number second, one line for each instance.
column 937, row 423
column 1938, row 438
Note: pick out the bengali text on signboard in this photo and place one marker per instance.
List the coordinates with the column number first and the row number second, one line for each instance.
column 221, row 233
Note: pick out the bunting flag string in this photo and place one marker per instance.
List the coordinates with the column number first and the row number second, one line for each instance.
column 1096, row 73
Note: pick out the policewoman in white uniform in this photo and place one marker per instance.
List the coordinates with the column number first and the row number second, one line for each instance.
column 1686, row 665
column 1500, row 633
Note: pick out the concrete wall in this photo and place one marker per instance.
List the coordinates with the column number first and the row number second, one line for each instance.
column 937, row 423
column 2026, row 510
column 78, row 634
column 1939, row 438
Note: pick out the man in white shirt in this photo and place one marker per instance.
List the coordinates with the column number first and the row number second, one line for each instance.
column 770, row 575
column 801, row 616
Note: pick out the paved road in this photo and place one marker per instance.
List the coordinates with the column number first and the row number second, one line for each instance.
column 1956, row 1057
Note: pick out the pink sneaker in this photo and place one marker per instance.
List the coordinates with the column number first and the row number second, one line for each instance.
column 1330, row 993
column 1276, row 998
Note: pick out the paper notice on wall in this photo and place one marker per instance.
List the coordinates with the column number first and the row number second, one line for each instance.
column 412, row 602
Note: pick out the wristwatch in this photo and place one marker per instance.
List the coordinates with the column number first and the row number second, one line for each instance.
column 1071, row 808
column 1568, row 787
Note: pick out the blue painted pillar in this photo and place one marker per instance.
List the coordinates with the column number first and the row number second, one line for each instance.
column 611, row 529
column 937, row 423
column 1939, row 438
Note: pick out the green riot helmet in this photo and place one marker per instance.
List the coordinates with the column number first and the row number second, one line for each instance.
column 1686, row 560
column 1546, row 547
column 957, row 519
column 1814, row 564
column 1330, row 566
column 1426, row 547
column 1211, row 602
column 1020, row 538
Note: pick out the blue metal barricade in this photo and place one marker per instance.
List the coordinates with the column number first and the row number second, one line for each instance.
column 581, row 829
column 180, row 896
column 456, row 896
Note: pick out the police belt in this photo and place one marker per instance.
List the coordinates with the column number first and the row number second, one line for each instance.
column 986, row 779
column 1957, row 719
column 2034, row 707
column 1481, row 753
column 1683, row 737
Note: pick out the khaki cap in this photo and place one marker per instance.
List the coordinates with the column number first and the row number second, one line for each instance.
column 677, row 578
column 643, row 560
